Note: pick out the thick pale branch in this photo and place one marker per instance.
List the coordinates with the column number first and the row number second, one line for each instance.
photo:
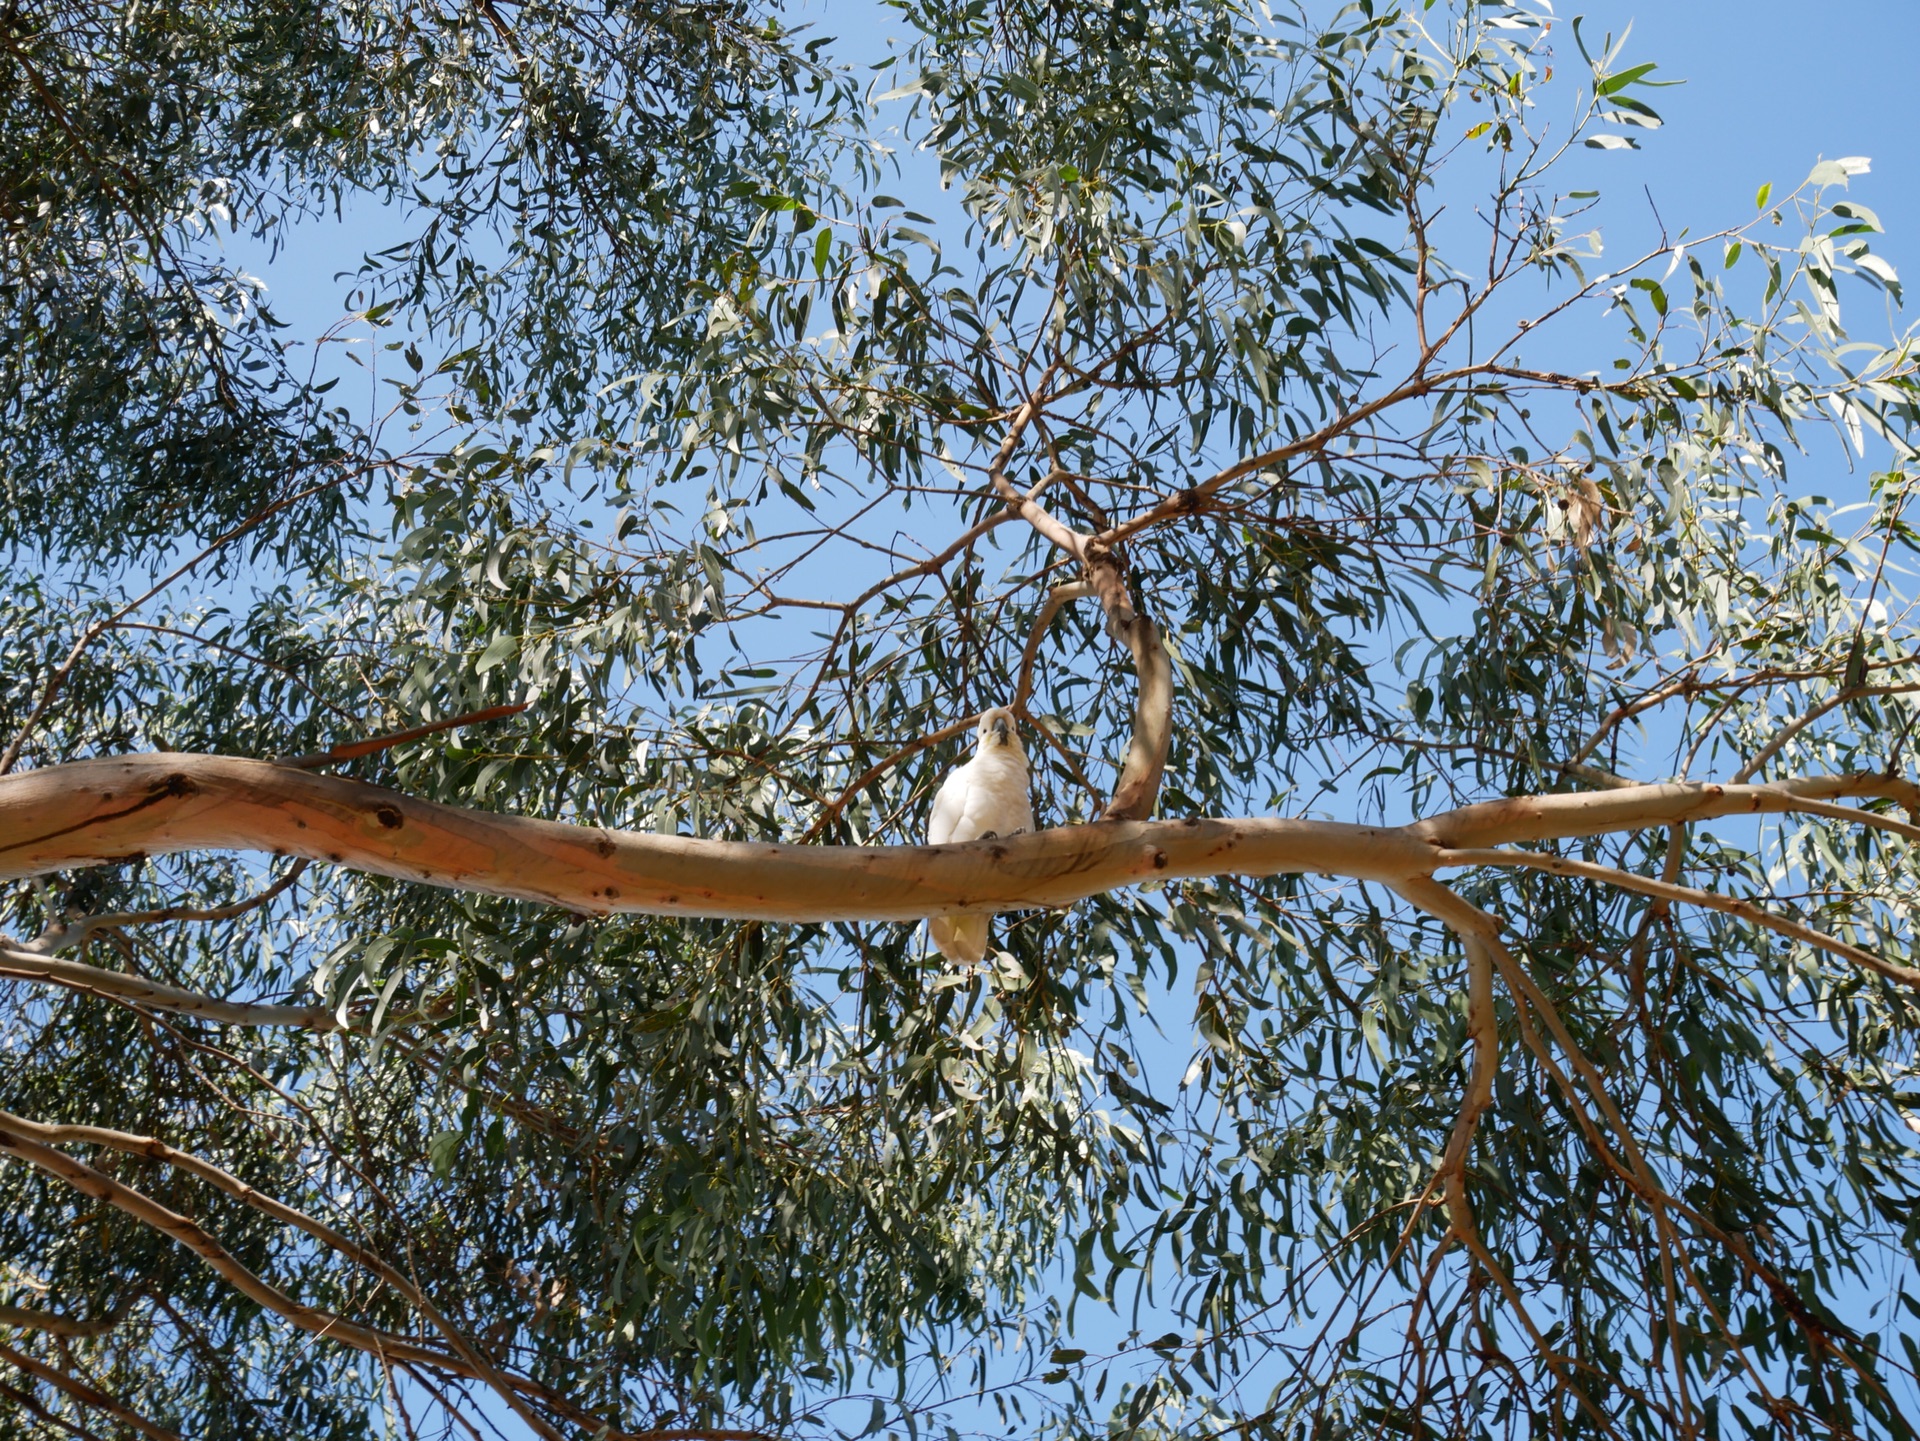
column 1564, row 817
column 1105, row 577
column 91, row 811
column 1139, row 784
column 88, row 812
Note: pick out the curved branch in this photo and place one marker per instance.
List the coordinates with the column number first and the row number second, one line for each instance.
column 1458, row 917
column 25, row 1400
column 71, row 933
column 16, row 1140
column 86, row 1395
column 233, row 1186
column 1146, row 762
column 89, row 811
column 138, row 990
column 101, row 1187
column 1632, row 1168
column 1139, row 784
column 1479, row 934
column 1807, row 717
column 1029, row 653
column 1707, row 900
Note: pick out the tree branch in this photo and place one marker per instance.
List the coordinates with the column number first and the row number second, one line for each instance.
column 86, row 1395
column 352, row 750
column 1139, row 784
column 25, row 1400
column 138, row 990
column 73, row 932
column 233, row 1186
column 87, row 812
column 27, row 1318
column 1707, row 900
column 15, row 1141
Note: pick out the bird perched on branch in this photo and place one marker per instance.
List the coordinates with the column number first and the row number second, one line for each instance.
column 986, row 797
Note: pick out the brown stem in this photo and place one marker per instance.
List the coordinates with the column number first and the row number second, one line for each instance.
column 86, row 1395
column 1437, row 901
column 25, row 1400
column 101, row 1187
column 831, row 812
column 1479, row 934
column 351, row 750
column 233, row 1186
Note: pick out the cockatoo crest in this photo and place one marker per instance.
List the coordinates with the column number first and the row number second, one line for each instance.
column 985, row 797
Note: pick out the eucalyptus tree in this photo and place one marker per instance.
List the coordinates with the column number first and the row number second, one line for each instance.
column 464, row 917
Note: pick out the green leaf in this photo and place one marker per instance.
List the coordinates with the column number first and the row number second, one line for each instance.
column 1613, row 84
column 500, row 649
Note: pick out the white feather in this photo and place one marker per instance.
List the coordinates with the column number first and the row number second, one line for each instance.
column 987, row 795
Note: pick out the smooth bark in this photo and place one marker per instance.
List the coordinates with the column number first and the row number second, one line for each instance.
column 92, row 811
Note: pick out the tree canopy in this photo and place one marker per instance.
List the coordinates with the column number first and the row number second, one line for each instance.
column 463, row 775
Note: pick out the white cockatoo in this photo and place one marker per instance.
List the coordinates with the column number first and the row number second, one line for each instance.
column 985, row 797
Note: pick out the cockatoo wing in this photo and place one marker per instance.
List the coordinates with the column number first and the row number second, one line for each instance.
column 949, row 805
column 978, row 798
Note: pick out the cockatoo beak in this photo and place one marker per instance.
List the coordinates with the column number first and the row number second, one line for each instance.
column 1002, row 731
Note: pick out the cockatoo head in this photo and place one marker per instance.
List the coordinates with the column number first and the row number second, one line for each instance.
column 997, row 730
